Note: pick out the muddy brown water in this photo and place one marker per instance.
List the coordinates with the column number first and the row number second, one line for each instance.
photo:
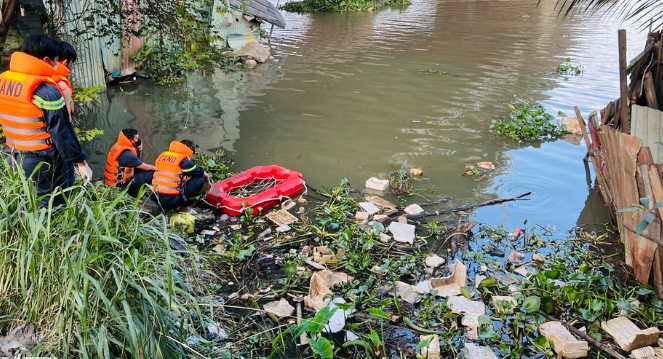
column 356, row 95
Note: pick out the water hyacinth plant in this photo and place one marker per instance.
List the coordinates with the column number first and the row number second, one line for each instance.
column 528, row 121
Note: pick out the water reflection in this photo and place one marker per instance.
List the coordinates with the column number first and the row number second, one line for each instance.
column 354, row 95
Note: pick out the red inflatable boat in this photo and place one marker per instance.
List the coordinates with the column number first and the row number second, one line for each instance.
column 260, row 188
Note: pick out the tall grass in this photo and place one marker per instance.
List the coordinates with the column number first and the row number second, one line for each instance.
column 97, row 276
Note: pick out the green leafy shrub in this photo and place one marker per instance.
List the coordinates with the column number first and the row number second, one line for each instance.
column 87, row 94
column 97, row 276
column 307, row 6
column 527, row 121
column 88, row 135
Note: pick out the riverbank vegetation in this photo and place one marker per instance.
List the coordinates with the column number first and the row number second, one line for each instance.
column 98, row 277
column 307, row 6
column 104, row 278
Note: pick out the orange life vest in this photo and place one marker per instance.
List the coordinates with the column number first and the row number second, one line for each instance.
column 168, row 177
column 62, row 74
column 22, row 121
column 115, row 174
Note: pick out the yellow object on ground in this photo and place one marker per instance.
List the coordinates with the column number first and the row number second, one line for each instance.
column 187, row 220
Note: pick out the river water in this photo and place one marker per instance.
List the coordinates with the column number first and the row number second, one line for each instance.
column 356, row 95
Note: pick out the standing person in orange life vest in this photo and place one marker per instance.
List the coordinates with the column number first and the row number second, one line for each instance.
column 178, row 182
column 66, row 58
column 123, row 165
column 35, row 120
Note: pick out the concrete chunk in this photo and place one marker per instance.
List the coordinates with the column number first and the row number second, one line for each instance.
column 478, row 352
column 563, row 342
column 380, row 217
column 471, row 324
column 377, row 184
column 413, row 209
column 384, row 238
column 380, row 202
column 402, row 232
column 434, row 260
column 369, row 207
column 628, row 336
column 450, row 286
column 280, row 308
column 408, row 293
column 361, row 216
column 644, row 353
column 433, row 349
column 515, row 257
column 461, row 305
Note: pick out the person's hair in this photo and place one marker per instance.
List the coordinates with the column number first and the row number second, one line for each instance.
column 67, row 52
column 41, row 46
column 129, row 133
column 190, row 144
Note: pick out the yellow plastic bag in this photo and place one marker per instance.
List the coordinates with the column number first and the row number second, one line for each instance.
column 187, row 220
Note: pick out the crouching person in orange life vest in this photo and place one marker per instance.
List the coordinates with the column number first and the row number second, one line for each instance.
column 178, row 182
column 123, row 165
column 35, row 120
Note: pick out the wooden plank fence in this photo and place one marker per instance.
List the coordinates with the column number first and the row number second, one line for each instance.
column 626, row 150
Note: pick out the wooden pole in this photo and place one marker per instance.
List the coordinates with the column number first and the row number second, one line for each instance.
column 624, row 102
column 658, row 60
column 269, row 39
column 583, row 127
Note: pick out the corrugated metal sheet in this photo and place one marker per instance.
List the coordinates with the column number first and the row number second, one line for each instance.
column 99, row 55
column 646, row 124
column 88, row 70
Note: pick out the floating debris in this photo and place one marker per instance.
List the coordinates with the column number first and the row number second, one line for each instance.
column 563, row 341
column 279, row 308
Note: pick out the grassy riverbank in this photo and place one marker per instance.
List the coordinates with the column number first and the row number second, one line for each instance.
column 100, row 279
column 307, row 6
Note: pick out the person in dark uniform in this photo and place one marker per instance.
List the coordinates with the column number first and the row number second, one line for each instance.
column 40, row 138
column 124, row 167
column 178, row 182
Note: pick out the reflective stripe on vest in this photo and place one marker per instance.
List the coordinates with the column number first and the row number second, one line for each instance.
column 168, row 177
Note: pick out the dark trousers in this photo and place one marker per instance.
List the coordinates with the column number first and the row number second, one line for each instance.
column 50, row 175
column 193, row 188
column 137, row 181
column 70, row 173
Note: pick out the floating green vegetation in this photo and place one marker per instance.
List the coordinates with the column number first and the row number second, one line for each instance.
column 565, row 279
column 401, row 183
column 567, row 68
column 215, row 164
column 528, row 121
column 307, row 6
